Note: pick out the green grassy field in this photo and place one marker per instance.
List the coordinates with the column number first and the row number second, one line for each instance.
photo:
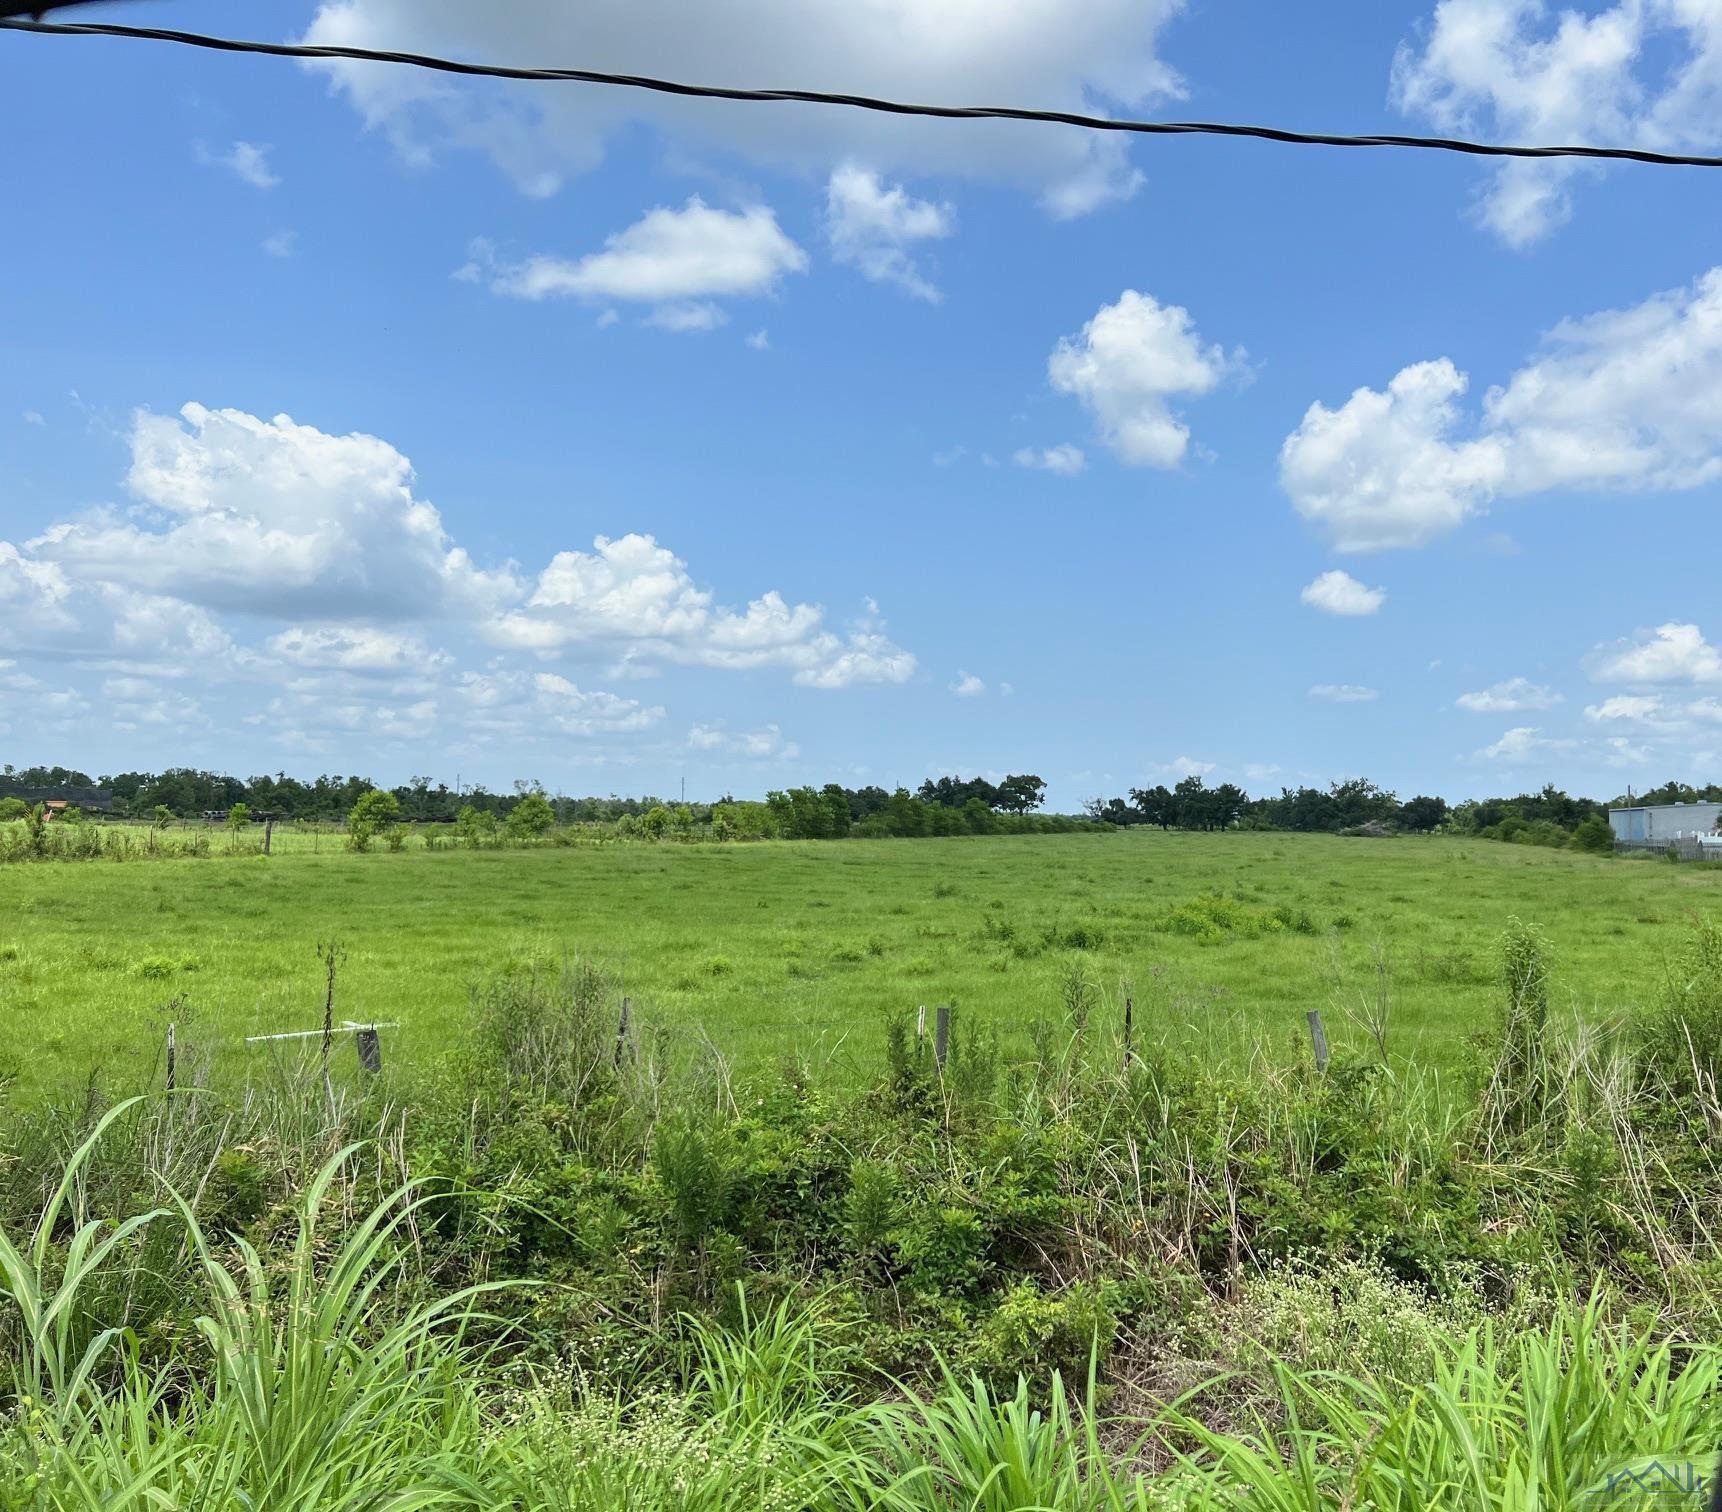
column 800, row 949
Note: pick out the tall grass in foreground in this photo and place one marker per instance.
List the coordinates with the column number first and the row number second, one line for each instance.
column 312, row 1385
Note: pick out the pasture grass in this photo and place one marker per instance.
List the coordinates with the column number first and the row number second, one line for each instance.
column 800, row 950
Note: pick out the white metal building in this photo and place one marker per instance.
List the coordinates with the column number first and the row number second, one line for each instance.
column 1666, row 821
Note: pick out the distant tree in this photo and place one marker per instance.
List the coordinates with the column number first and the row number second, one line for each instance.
column 980, row 819
column 1595, row 835
column 954, row 792
column 1017, row 795
column 1193, row 804
column 1156, row 805
column 531, row 817
column 1117, row 812
column 905, row 815
column 1226, row 804
column 474, row 826
column 867, row 800
column 238, row 817
column 837, row 810
column 162, row 816
column 1422, row 813
column 655, row 821
column 13, row 808
column 374, row 813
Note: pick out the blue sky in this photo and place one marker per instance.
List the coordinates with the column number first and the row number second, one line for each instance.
column 632, row 440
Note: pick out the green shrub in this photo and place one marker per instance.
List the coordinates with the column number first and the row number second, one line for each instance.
column 1595, row 836
column 1682, row 1035
column 1031, row 1334
column 531, row 818
column 376, row 813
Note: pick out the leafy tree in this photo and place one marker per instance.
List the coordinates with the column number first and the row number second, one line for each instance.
column 1192, row 803
column 13, row 808
column 1422, row 813
column 838, row 815
column 238, row 817
column 1113, row 811
column 475, row 826
column 531, row 817
column 867, row 800
column 1017, row 795
column 375, row 813
column 1156, row 805
column 954, row 792
column 655, row 821
column 162, row 817
column 1595, row 835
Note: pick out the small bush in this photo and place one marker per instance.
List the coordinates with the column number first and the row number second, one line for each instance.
column 1595, row 837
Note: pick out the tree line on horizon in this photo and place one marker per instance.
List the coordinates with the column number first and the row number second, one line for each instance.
column 187, row 792
column 1548, row 817
column 940, row 805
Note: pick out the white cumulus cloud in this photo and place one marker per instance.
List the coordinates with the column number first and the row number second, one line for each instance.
column 1637, row 708
column 1626, row 401
column 1337, row 592
column 1074, row 54
column 273, row 517
column 679, row 261
column 872, row 226
column 968, row 685
column 638, row 597
column 1522, row 744
column 268, row 554
column 754, row 745
column 1127, row 366
column 247, row 161
column 1671, row 653
column 1644, row 73
column 1509, row 697
column 1064, row 459
column 351, row 648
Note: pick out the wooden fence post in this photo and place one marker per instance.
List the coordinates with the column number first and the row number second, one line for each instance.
column 172, row 1058
column 268, row 834
column 1318, row 1038
column 1129, row 1015
column 921, row 1022
column 370, row 1048
column 941, row 1035
column 622, row 1029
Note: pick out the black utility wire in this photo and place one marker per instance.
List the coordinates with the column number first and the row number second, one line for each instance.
column 40, row 8
column 855, row 102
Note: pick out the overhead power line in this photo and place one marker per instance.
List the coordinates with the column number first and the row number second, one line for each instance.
column 850, row 101
column 41, row 7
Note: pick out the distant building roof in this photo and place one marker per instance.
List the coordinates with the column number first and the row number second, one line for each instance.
column 99, row 799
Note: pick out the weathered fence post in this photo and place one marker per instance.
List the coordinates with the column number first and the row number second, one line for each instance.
column 268, row 833
column 172, row 1058
column 921, row 1022
column 622, row 1029
column 1318, row 1038
column 941, row 1035
column 370, row 1048
column 1129, row 1014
